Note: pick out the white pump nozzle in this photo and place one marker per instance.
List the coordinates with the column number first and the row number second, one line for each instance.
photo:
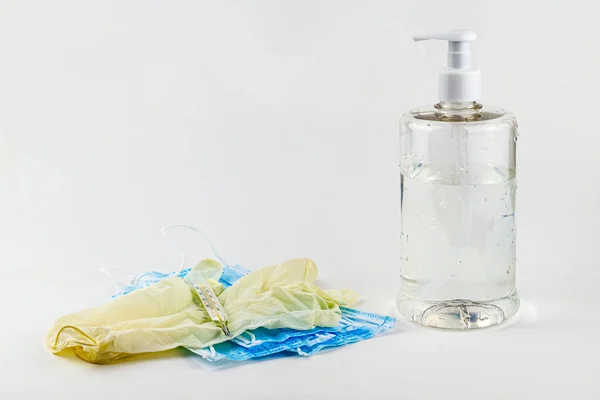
column 458, row 81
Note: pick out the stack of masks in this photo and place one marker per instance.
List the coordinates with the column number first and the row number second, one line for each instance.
column 353, row 326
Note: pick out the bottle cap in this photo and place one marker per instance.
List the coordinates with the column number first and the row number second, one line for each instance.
column 458, row 81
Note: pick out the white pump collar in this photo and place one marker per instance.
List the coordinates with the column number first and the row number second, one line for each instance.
column 458, row 81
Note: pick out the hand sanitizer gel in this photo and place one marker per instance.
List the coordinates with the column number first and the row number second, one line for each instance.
column 458, row 202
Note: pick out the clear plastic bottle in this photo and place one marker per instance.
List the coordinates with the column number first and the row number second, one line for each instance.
column 458, row 183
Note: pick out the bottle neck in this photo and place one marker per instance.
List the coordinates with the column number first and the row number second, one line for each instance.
column 458, row 111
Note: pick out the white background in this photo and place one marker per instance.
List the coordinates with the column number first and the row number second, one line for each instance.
column 272, row 125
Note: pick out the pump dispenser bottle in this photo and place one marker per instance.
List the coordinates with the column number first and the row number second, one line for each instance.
column 458, row 183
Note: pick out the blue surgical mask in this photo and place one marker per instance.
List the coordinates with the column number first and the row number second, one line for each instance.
column 354, row 326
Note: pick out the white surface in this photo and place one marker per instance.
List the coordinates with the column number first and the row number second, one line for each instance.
column 273, row 126
column 458, row 81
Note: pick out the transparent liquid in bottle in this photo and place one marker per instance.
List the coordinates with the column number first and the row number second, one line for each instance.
column 458, row 222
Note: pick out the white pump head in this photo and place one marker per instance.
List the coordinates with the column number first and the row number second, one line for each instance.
column 458, row 81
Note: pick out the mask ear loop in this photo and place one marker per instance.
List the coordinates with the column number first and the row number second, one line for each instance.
column 110, row 273
column 163, row 231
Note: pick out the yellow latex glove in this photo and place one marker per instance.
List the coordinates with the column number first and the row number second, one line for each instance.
column 166, row 314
